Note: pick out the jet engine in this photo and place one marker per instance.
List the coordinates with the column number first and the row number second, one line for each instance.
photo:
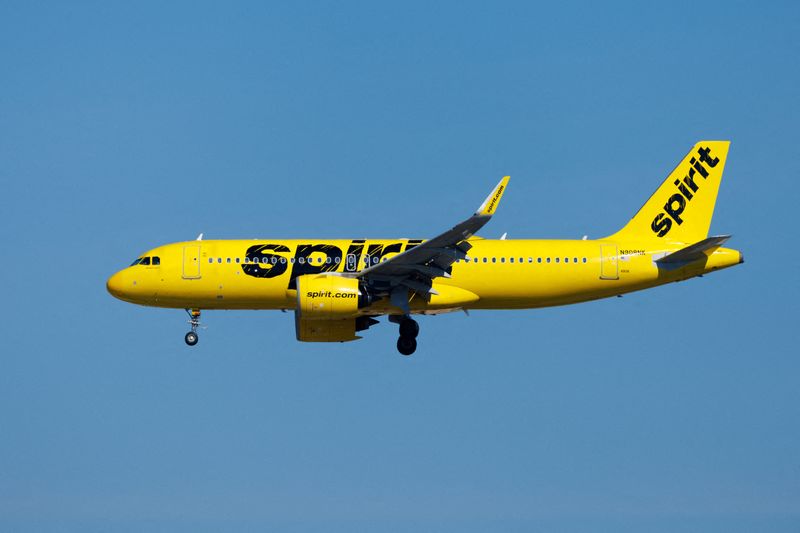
column 328, row 308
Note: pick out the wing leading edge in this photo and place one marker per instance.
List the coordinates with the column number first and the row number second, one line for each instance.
column 415, row 269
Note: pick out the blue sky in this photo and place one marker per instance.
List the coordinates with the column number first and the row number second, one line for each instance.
column 124, row 126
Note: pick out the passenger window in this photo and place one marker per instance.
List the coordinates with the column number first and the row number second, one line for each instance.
column 338, row 260
column 210, row 259
column 557, row 259
column 566, row 259
column 291, row 260
column 574, row 259
column 548, row 259
column 219, row 260
column 494, row 260
column 145, row 261
column 584, row 259
column 156, row 260
column 502, row 259
column 283, row 260
column 485, row 259
column 228, row 261
column 237, row 260
column 511, row 260
column 530, row 260
column 327, row 260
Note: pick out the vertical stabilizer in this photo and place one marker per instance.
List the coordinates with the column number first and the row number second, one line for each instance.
column 682, row 207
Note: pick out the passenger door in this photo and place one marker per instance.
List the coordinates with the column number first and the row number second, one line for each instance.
column 609, row 267
column 191, row 261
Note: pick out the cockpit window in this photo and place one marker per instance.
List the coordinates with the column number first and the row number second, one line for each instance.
column 156, row 260
column 136, row 262
column 145, row 261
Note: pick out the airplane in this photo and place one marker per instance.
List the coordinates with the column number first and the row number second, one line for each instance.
column 338, row 288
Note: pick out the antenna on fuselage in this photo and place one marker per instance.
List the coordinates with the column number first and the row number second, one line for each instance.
column 199, row 237
column 503, row 236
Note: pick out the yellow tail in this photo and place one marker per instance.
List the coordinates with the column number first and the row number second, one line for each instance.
column 680, row 210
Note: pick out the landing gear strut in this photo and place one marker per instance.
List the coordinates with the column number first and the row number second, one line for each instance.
column 409, row 329
column 191, row 338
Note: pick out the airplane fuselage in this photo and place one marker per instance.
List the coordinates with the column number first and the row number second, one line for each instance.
column 497, row 274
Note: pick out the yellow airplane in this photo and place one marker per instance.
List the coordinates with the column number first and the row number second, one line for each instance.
column 337, row 288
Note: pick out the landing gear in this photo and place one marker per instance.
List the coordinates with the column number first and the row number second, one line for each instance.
column 406, row 345
column 191, row 338
column 409, row 329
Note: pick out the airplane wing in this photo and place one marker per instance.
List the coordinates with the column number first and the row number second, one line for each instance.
column 415, row 269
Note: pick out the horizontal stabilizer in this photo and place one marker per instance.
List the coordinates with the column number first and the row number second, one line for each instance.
column 695, row 251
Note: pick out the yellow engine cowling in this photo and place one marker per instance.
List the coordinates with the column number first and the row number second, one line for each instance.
column 324, row 296
column 327, row 308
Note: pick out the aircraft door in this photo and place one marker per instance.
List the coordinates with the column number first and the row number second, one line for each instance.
column 351, row 263
column 191, row 261
column 609, row 267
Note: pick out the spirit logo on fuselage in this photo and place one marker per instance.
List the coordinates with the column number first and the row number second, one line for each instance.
column 273, row 260
column 687, row 188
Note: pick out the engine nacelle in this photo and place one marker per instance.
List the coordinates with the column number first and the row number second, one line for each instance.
column 325, row 330
column 331, row 330
column 324, row 296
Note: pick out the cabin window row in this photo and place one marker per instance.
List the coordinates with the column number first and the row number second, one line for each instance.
column 367, row 260
column 522, row 260
column 274, row 260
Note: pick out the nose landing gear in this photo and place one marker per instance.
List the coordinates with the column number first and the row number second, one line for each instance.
column 409, row 329
column 191, row 338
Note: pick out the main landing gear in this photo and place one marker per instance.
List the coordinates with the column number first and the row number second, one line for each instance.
column 191, row 338
column 409, row 329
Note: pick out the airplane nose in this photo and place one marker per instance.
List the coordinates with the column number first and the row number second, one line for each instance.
column 114, row 285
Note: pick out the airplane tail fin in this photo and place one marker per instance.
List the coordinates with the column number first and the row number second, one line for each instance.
column 682, row 207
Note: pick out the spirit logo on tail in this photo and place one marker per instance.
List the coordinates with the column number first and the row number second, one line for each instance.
column 677, row 202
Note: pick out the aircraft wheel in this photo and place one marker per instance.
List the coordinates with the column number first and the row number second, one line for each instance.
column 191, row 338
column 406, row 345
column 409, row 328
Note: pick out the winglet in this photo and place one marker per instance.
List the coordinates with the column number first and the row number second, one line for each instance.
column 489, row 205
